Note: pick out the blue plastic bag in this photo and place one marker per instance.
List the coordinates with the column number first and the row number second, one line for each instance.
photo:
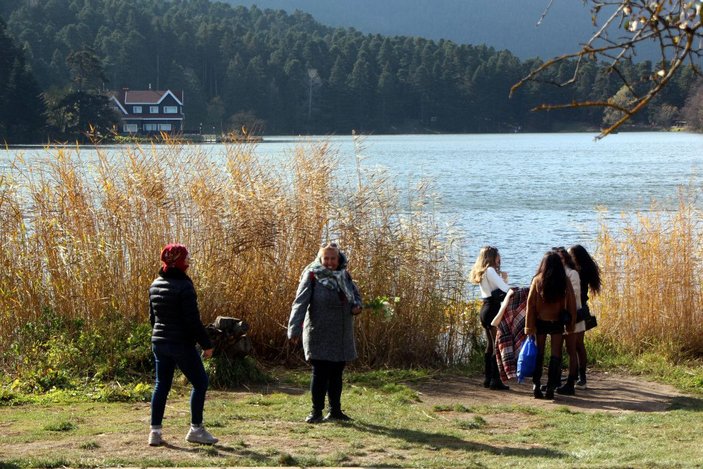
column 527, row 360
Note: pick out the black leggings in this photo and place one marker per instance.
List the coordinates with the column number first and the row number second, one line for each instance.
column 488, row 312
column 326, row 379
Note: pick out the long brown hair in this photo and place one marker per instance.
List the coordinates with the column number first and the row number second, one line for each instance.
column 589, row 271
column 550, row 278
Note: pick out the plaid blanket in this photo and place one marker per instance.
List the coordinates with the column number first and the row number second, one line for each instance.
column 511, row 334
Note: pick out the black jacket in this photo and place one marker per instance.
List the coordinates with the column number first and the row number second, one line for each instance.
column 173, row 310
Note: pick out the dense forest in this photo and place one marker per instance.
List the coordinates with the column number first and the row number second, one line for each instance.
column 567, row 24
column 284, row 73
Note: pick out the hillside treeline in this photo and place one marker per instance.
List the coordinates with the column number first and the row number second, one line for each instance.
column 289, row 74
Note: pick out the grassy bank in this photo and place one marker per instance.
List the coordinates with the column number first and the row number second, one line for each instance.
column 402, row 419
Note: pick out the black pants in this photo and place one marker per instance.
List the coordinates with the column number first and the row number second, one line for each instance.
column 326, row 379
column 488, row 312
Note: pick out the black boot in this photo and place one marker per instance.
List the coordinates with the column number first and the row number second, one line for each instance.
column 487, row 369
column 582, row 377
column 337, row 414
column 496, row 383
column 314, row 417
column 537, row 391
column 553, row 376
column 568, row 388
column 537, row 377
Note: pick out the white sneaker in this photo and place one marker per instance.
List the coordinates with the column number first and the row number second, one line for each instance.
column 200, row 435
column 155, row 438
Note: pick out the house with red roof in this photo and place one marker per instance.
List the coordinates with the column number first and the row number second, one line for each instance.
column 146, row 112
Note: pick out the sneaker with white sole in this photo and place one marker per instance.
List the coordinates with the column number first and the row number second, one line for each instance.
column 201, row 436
column 155, row 438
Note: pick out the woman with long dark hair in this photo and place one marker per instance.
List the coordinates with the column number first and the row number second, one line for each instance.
column 550, row 294
column 589, row 275
column 569, row 338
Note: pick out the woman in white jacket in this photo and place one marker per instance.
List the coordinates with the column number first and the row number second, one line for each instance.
column 493, row 285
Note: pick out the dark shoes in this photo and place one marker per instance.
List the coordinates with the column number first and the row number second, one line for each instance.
column 537, row 391
column 488, row 361
column 314, row 417
column 338, row 416
column 497, row 385
column 553, row 376
column 333, row 416
column 582, row 377
column 494, row 382
column 568, row 388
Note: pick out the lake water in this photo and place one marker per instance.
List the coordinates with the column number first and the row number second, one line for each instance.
column 523, row 193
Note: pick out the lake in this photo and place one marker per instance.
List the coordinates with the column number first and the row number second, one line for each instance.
column 523, row 193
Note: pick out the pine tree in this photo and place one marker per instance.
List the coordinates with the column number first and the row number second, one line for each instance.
column 22, row 110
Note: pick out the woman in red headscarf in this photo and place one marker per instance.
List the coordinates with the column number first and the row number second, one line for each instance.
column 176, row 328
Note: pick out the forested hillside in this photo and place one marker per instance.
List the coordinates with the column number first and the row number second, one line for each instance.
column 504, row 24
column 293, row 75
column 21, row 107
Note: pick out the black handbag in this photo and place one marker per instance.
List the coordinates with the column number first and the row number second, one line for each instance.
column 591, row 321
column 581, row 314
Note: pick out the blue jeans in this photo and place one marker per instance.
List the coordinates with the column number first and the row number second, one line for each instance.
column 168, row 356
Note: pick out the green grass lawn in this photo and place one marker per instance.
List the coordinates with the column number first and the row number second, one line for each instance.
column 394, row 426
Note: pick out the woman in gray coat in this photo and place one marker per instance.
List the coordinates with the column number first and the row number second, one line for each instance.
column 323, row 311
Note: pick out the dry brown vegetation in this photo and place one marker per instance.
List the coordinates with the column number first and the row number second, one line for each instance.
column 82, row 229
column 653, row 269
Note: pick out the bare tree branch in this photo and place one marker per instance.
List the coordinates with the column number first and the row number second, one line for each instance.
column 674, row 25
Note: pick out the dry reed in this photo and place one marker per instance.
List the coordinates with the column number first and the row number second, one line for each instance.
column 651, row 298
column 81, row 235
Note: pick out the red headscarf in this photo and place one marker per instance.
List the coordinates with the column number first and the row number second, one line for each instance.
column 174, row 255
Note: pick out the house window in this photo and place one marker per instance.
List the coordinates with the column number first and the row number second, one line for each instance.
column 130, row 128
column 165, row 127
column 154, row 109
column 136, row 109
column 150, row 127
column 170, row 109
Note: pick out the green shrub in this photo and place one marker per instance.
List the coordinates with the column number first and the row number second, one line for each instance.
column 227, row 373
column 63, row 426
column 55, row 353
column 114, row 392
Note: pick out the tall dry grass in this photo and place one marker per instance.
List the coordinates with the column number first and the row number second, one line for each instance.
column 81, row 235
column 652, row 273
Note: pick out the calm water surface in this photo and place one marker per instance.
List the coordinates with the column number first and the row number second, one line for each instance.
column 528, row 192
column 523, row 192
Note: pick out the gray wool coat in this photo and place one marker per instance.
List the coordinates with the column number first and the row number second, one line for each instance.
column 323, row 317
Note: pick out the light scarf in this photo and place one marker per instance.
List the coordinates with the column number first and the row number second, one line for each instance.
column 332, row 279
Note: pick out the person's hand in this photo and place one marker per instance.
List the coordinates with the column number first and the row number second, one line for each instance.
column 207, row 353
column 356, row 310
column 505, row 276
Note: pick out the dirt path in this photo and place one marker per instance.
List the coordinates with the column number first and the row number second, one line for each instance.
column 115, row 434
column 605, row 392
